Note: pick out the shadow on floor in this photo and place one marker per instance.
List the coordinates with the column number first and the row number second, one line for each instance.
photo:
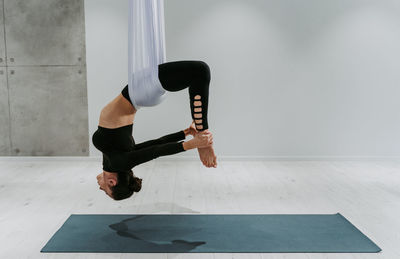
column 153, row 236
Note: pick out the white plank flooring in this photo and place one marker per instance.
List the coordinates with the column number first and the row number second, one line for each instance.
column 36, row 197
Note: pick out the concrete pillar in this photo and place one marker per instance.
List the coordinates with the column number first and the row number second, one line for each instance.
column 45, row 75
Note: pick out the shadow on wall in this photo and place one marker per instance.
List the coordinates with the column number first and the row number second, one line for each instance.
column 301, row 21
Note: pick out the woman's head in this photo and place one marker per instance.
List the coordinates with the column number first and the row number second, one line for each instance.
column 119, row 185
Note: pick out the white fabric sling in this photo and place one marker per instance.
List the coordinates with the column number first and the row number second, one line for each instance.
column 146, row 50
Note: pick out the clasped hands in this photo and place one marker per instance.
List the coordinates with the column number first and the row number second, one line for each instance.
column 202, row 139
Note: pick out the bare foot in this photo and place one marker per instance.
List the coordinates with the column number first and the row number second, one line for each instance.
column 207, row 156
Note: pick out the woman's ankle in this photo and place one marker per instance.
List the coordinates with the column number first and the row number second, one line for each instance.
column 202, row 130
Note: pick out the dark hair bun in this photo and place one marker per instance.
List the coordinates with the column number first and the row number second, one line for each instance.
column 137, row 184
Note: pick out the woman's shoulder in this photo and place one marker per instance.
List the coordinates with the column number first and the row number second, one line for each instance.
column 119, row 160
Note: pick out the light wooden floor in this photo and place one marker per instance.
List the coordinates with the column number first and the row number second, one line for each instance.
column 36, row 198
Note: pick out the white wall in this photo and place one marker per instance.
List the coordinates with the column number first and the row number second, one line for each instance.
column 288, row 78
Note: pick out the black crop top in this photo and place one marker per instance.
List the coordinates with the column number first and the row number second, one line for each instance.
column 120, row 153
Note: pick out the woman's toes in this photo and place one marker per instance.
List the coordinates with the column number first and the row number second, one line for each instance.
column 211, row 161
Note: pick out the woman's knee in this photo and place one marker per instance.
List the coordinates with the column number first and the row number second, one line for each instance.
column 203, row 70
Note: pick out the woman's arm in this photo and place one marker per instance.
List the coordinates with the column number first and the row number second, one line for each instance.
column 174, row 137
column 128, row 160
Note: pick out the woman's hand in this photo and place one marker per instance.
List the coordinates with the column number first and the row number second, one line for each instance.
column 203, row 139
column 191, row 130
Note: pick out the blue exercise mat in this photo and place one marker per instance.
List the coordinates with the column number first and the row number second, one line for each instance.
column 209, row 233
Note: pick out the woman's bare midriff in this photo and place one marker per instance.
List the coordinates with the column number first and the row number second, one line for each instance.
column 118, row 113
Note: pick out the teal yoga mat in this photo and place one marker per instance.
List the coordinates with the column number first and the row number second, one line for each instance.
column 209, row 233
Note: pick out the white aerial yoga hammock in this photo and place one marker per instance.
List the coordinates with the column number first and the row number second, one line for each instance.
column 146, row 50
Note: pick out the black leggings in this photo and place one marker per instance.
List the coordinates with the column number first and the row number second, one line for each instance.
column 178, row 75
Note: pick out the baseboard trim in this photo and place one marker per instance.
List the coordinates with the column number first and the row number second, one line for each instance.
column 220, row 158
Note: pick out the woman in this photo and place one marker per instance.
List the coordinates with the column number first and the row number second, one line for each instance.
column 114, row 134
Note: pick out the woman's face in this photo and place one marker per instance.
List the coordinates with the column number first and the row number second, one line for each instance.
column 106, row 180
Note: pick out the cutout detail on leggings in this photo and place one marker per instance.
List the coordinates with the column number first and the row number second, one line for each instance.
column 197, row 112
column 197, row 103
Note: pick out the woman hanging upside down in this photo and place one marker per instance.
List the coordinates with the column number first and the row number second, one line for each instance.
column 114, row 134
